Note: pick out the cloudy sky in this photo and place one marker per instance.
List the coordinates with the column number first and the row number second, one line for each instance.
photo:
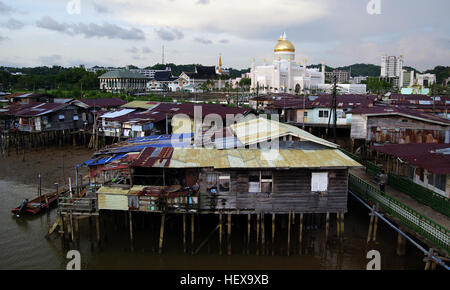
column 121, row 32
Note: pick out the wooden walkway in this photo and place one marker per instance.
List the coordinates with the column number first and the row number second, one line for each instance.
column 407, row 200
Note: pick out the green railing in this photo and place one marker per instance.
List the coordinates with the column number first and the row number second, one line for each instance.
column 372, row 168
column 437, row 234
column 422, row 194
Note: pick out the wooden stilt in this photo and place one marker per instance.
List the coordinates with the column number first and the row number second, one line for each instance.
column 289, row 236
column 71, row 228
column 263, row 236
column 229, row 235
column 249, row 219
column 327, row 226
column 192, row 232
column 220, row 234
column 97, row 227
column 77, row 230
column 130, row 220
column 338, row 225
column 342, row 226
column 401, row 245
column 375, row 227
column 184, row 233
column 258, row 224
column 273, row 234
column 161, row 233
column 300, row 238
column 369, row 235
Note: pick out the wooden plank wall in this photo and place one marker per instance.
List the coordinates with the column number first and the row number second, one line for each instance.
column 291, row 192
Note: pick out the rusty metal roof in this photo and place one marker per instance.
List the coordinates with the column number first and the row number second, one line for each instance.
column 242, row 158
column 430, row 156
column 261, row 130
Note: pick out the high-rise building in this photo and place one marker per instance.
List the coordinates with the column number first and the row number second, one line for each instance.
column 342, row 76
column 391, row 66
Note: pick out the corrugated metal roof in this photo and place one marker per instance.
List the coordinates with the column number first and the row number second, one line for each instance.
column 115, row 114
column 103, row 102
column 427, row 156
column 140, row 105
column 261, row 129
column 244, row 158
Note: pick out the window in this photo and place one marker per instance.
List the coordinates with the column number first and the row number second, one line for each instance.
column 319, row 181
column 431, row 179
column 323, row 114
column 224, row 183
column 260, row 182
column 61, row 118
column 305, row 114
column 440, row 181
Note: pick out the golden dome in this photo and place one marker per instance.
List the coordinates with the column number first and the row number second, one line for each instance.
column 284, row 45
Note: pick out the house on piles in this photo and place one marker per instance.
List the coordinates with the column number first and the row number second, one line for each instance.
column 238, row 174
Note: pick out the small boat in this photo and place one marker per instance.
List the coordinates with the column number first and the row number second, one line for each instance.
column 36, row 205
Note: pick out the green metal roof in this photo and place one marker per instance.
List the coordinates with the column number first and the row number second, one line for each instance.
column 122, row 74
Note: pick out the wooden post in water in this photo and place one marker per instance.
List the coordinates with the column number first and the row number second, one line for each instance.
column 192, row 233
column 327, row 226
column 258, row 223
column 220, row 234
column 273, row 234
column 184, row 233
column 300, row 238
column 338, row 225
column 97, row 227
column 229, row 235
column 249, row 219
column 130, row 220
column 375, row 227
column 289, row 235
column 342, row 226
column 369, row 235
column 263, row 236
column 161, row 233
column 401, row 245
column 71, row 227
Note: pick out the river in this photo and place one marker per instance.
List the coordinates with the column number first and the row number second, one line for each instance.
column 23, row 244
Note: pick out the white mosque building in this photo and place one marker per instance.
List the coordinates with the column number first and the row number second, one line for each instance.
column 285, row 75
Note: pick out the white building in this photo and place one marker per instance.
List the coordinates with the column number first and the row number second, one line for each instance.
column 425, row 80
column 391, row 66
column 284, row 74
column 357, row 89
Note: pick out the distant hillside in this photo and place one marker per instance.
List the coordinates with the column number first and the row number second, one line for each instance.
column 362, row 69
column 441, row 72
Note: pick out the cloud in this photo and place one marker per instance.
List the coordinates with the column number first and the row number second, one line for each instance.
column 54, row 59
column 203, row 40
column 133, row 50
column 5, row 9
column 14, row 24
column 169, row 34
column 241, row 18
column 2, row 38
column 146, row 50
column 224, row 41
column 111, row 31
column 101, row 9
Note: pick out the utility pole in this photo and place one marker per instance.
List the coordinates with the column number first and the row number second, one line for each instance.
column 334, row 108
column 304, row 109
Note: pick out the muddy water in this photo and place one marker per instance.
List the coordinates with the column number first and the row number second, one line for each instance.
column 23, row 245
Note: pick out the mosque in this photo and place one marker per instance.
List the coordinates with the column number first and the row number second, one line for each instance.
column 285, row 74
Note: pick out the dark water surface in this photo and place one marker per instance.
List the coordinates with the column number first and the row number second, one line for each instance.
column 23, row 244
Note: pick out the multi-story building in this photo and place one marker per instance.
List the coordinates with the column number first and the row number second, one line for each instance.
column 391, row 66
column 123, row 81
column 342, row 76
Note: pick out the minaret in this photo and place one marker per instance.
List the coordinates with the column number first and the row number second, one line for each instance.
column 220, row 63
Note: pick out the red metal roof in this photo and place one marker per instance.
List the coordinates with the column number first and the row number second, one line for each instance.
column 324, row 101
column 395, row 110
column 420, row 155
column 151, row 155
column 34, row 109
